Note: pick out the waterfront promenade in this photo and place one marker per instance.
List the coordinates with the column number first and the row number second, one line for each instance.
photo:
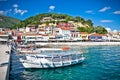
column 4, row 62
column 80, row 43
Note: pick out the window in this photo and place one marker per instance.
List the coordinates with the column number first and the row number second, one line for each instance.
column 99, row 37
column 93, row 37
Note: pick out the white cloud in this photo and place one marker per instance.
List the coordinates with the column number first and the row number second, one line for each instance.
column 104, row 9
column 51, row 8
column 116, row 12
column 2, row 12
column 115, row 31
column 108, row 29
column 15, row 5
column 19, row 11
column 89, row 12
column 106, row 21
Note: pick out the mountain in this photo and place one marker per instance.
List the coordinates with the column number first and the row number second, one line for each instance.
column 6, row 21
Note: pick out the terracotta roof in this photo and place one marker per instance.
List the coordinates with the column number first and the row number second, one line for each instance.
column 65, row 28
column 42, row 30
column 28, row 33
column 44, row 35
column 98, row 35
column 83, row 33
column 31, row 35
column 1, row 32
column 38, row 35
column 34, row 34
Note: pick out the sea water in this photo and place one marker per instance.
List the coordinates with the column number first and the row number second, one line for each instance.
column 101, row 63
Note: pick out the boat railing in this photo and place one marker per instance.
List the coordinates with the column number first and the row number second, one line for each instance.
column 61, row 58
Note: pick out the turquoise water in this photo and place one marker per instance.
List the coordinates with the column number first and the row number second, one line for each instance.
column 101, row 63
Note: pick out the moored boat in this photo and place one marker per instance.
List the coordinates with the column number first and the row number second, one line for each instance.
column 27, row 49
column 34, row 58
column 45, row 61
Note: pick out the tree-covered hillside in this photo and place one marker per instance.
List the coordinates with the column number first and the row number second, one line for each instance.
column 8, row 21
column 87, row 25
column 55, row 17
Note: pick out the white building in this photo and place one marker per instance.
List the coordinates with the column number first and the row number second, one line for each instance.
column 62, row 33
column 1, row 29
column 27, row 29
column 42, row 31
column 75, row 34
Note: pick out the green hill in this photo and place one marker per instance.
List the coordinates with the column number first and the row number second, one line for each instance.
column 85, row 25
column 6, row 21
column 37, row 19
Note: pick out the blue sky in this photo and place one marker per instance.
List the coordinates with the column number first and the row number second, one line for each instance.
column 102, row 12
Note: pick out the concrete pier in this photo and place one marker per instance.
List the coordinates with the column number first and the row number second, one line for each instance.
column 4, row 61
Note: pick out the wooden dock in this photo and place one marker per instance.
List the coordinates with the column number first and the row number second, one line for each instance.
column 4, row 61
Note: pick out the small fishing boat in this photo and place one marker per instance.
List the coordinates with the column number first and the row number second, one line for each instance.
column 47, row 61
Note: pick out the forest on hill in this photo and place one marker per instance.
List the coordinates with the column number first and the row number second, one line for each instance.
column 87, row 25
column 8, row 22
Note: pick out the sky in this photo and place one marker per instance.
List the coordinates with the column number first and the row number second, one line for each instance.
column 102, row 12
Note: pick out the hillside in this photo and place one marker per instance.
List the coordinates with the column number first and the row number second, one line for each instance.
column 8, row 21
column 81, row 24
column 53, row 18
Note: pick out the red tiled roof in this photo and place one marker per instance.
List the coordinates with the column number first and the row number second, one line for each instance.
column 65, row 28
column 44, row 35
column 98, row 35
column 42, row 30
column 83, row 33
column 1, row 32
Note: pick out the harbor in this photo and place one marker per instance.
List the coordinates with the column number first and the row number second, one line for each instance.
column 56, row 40
column 5, row 61
column 101, row 63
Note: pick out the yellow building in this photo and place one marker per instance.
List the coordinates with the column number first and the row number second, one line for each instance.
column 84, row 35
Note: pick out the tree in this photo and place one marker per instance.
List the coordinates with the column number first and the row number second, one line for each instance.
column 77, row 19
column 81, row 29
column 89, row 22
column 82, row 21
column 100, row 30
column 69, row 18
column 47, row 23
column 86, row 29
column 90, row 29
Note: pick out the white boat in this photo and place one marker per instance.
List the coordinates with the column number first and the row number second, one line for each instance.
column 38, row 60
column 31, row 50
column 45, row 61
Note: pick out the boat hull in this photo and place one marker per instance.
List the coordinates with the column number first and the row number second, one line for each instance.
column 38, row 64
